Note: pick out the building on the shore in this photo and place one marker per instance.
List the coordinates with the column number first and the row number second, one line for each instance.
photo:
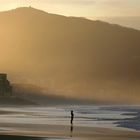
column 5, row 86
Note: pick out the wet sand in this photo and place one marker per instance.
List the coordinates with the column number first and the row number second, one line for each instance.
column 51, row 132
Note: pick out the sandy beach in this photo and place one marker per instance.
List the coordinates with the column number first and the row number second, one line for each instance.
column 42, row 132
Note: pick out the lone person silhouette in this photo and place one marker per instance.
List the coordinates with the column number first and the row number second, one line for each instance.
column 72, row 116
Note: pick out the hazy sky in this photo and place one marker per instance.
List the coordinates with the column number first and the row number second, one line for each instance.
column 86, row 8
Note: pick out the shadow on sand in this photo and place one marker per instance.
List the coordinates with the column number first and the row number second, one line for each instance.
column 9, row 137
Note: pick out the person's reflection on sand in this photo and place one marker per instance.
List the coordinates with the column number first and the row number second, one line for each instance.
column 71, row 130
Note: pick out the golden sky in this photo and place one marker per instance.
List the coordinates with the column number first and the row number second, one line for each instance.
column 84, row 8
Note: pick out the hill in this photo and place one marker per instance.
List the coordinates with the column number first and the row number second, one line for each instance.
column 74, row 57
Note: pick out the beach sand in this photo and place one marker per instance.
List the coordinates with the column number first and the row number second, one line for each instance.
column 44, row 132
